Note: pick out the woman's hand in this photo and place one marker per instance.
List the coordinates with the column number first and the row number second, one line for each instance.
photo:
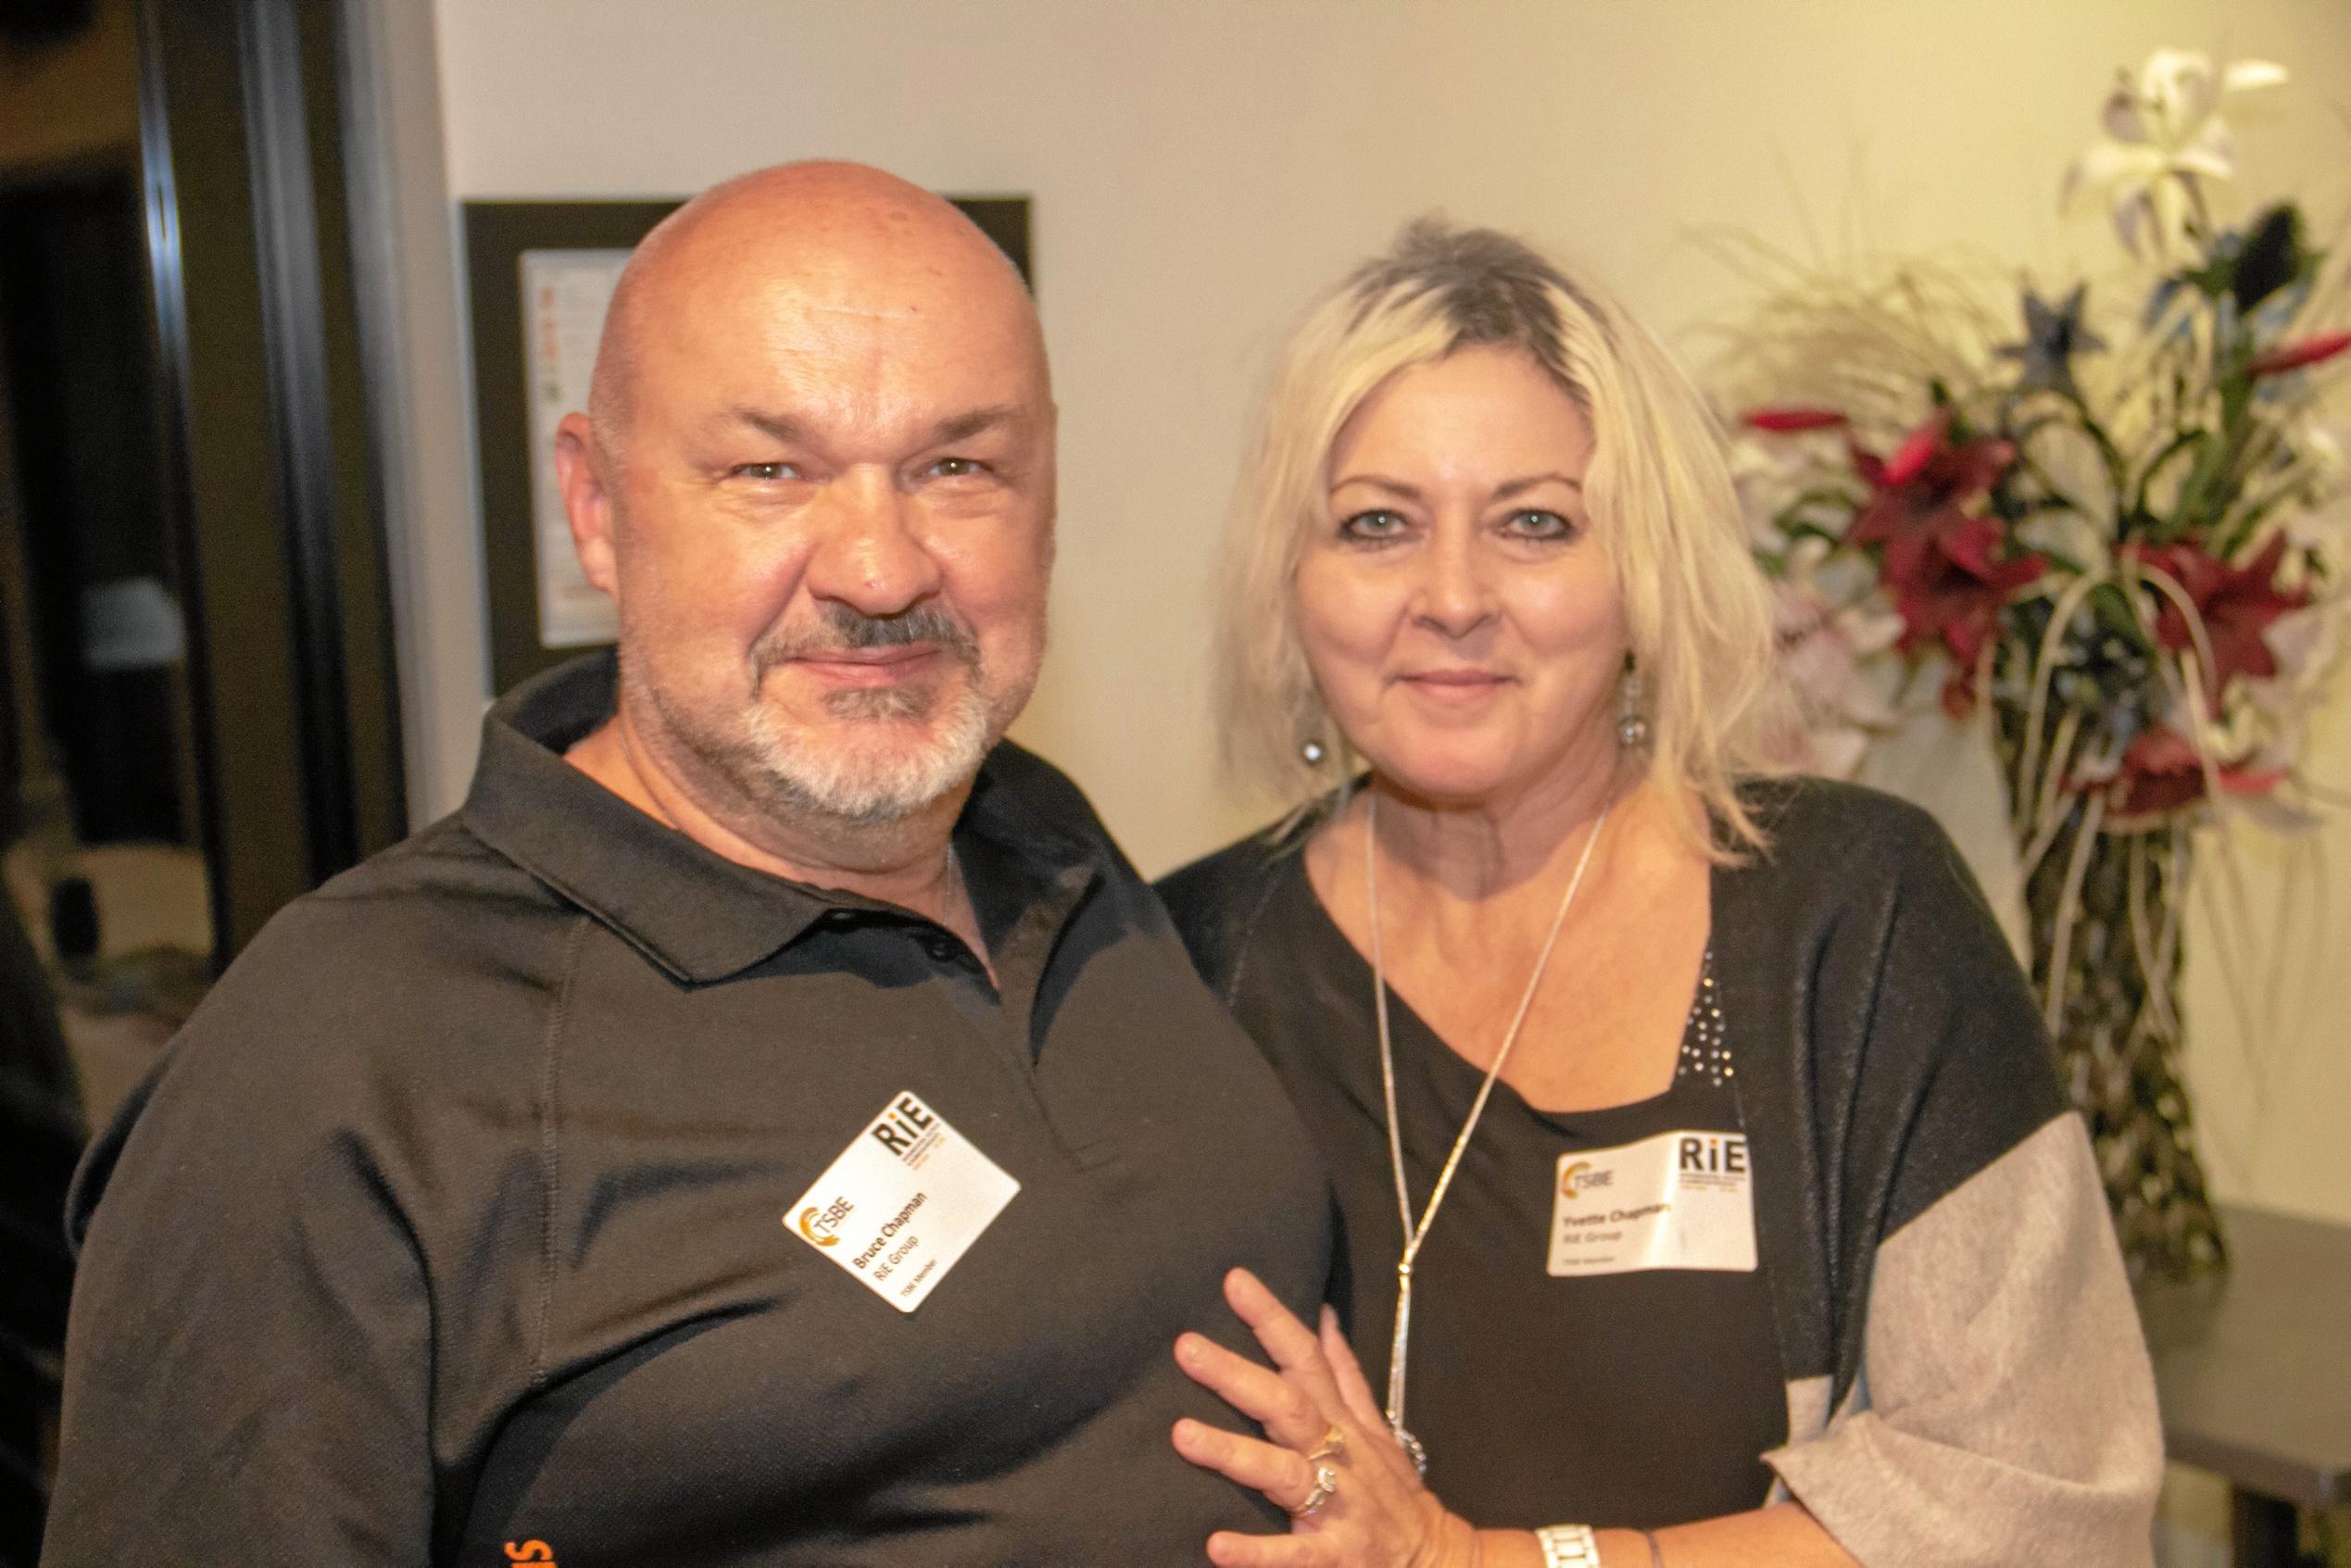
column 1316, row 1411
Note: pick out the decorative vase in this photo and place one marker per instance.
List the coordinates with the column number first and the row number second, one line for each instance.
column 2110, row 942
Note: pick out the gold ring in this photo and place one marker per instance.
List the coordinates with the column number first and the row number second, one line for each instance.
column 1326, row 1483
column 1332, row 1446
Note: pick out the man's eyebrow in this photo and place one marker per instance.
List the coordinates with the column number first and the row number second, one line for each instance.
column 960, row 427
column 963, row 427
column 782, row 427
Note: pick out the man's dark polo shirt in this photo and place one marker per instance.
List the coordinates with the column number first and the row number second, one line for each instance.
column 455, row 1220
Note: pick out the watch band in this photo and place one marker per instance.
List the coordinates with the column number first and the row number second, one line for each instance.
column 1568, row 1546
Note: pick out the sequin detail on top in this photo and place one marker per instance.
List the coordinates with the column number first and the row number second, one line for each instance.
column 1705, row 1052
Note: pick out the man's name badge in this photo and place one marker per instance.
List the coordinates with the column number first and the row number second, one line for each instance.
column 904, row 1201
column 1678, row 1200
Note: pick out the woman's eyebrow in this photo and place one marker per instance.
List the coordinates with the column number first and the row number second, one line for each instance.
column 1396, row 487
column 1502, row 491
column 1518, row 486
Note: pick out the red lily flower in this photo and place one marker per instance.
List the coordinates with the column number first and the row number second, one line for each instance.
column 1955, row 598
column 1924, row 489
column 2236, row 605
column 2294, row 355
column 2160, row 773
column 1784, row 419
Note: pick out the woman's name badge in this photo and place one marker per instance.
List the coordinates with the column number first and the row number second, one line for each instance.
column 1678, row 1200
column 904, row 1201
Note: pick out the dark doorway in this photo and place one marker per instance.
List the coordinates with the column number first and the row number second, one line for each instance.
column 109, row 629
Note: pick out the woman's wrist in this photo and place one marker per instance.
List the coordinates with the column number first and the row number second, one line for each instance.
column 1626, row 1548
column 1508, row 1548
column 1454, row 1542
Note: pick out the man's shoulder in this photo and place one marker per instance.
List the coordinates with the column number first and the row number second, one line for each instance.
column 393, row 949
column 1050, row 799
column 441, row 891
column 1042, row 788
column 446, row 859
column 432, row 964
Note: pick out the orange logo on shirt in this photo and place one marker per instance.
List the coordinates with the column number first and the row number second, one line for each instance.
column 531, row 1551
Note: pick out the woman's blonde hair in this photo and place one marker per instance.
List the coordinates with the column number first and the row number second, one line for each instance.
column 1695, row 605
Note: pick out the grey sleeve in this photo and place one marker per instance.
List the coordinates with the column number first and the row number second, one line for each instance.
column 2007, row 1410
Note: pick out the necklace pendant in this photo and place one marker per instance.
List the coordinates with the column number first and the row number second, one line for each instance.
column 1411, row 1447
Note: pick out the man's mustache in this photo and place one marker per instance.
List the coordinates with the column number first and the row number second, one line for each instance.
column 846, row 630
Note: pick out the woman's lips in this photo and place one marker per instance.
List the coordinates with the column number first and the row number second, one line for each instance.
column 1454, row 685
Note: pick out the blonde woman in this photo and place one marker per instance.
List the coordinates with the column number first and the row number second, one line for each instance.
column 1708, row 1197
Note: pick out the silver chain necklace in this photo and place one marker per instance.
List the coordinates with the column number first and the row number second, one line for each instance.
column 1415, row 1235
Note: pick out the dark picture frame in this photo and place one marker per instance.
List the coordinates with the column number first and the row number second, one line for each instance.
column 497, row 234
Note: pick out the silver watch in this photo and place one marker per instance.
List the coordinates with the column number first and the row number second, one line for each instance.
column 1568, row 1546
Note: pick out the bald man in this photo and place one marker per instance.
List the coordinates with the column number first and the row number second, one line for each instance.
column 770, row 1123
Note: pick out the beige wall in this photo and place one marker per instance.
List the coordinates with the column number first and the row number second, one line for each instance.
column 1200, row 165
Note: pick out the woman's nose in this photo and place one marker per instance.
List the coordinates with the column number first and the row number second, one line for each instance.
column 1453, row 597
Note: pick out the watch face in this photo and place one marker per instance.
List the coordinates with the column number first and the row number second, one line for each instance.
column 1568, row 1546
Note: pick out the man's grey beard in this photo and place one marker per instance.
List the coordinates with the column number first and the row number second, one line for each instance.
column 861, row 784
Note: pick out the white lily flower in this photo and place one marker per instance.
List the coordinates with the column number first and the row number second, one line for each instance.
column 1771, row 474
column 2163, row 132
column 2306, row 644
column 1829, row 654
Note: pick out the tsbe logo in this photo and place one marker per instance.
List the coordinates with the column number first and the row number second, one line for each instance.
column 1577, row 1177
column 820, row 1224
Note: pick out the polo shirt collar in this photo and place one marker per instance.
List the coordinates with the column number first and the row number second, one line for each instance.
column 697, row 914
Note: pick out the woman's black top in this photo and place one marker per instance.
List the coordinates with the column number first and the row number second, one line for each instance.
column 1966, row 1379
column 1641, row 1398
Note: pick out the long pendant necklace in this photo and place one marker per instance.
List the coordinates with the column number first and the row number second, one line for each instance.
column 1415, row 1235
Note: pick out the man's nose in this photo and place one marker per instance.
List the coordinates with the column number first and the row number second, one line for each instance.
column 867, row 553
column 1452, row 595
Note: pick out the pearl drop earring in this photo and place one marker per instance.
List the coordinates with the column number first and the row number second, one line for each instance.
column 1632, row 730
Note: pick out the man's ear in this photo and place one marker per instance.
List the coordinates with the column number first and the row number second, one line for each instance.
column 588, row 505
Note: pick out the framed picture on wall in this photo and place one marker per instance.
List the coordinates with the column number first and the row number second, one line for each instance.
column 539, row 276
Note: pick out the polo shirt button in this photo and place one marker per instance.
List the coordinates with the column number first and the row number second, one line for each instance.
column 940, row 948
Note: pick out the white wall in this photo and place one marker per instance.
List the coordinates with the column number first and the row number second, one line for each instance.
column 1199, row 166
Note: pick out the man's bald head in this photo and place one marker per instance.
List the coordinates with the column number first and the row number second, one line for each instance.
column 842, row 236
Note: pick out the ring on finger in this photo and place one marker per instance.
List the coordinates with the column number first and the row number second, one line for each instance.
column 1332, row 1445
column 1326, row 1483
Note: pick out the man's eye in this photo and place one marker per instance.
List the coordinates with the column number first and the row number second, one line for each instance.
column 765, row 472
column 1372, row 525
column 956, row 468
column 1537, row 525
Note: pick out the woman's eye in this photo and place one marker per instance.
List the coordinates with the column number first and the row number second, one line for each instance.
column 1372, row 525
column 765, row 472
column 1538, row 524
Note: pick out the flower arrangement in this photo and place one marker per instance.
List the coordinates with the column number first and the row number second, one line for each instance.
column 2107, row 537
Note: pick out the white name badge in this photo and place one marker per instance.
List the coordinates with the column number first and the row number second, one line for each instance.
column 1678, row 1200
column 904, row 1201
